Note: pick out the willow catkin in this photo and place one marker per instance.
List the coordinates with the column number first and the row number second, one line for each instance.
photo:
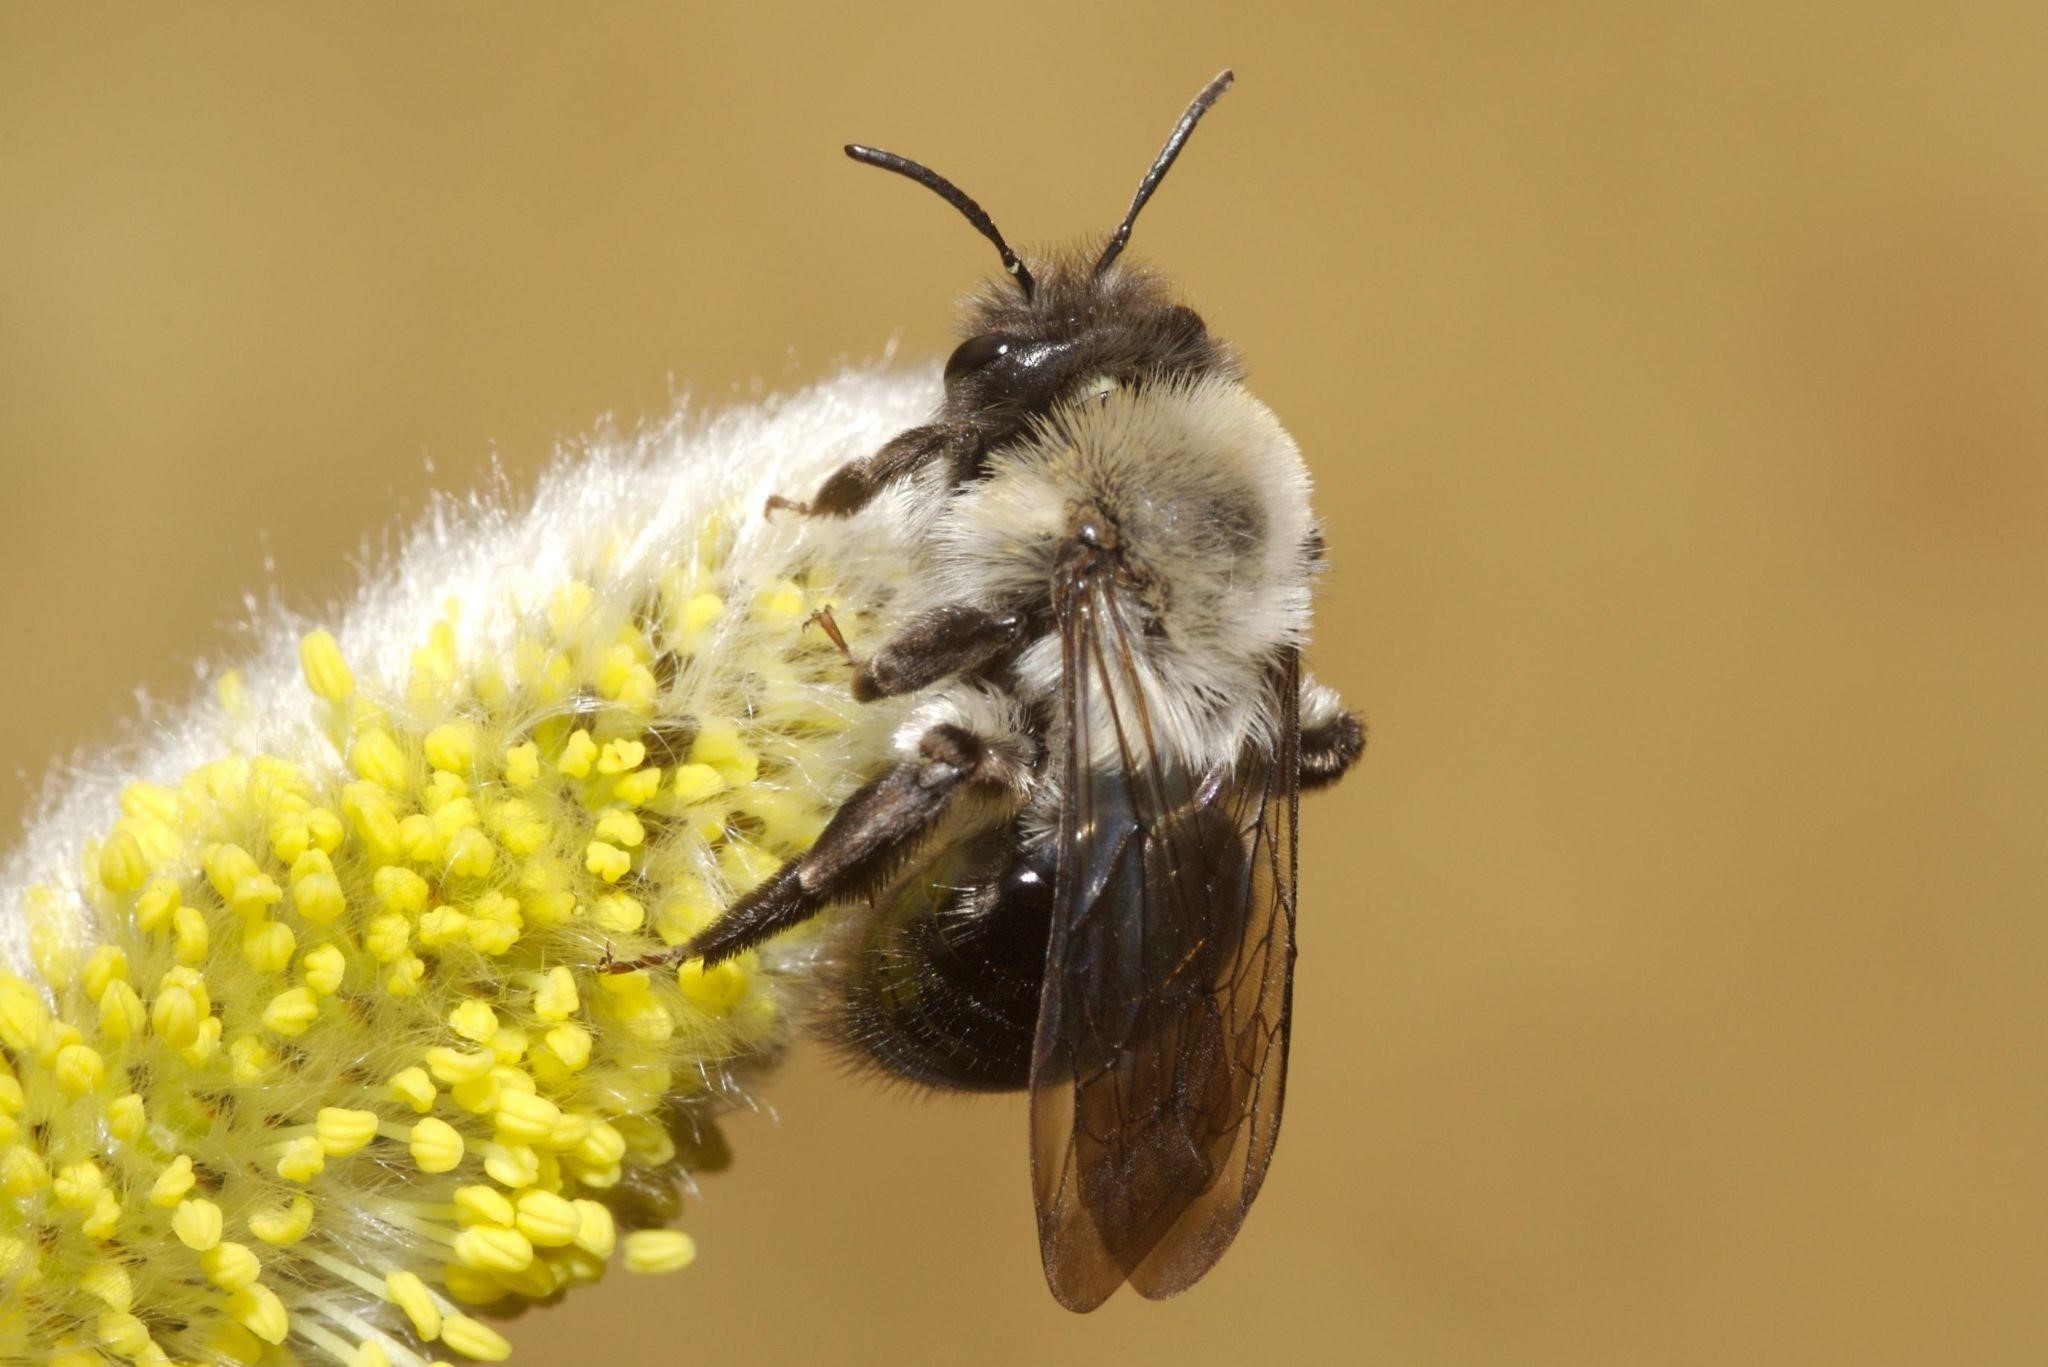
column 308, row 1053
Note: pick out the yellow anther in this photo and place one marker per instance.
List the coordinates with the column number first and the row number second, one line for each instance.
column 173, row 1184
column 618, row 913
column 23, row 1171
column 232, row 871
column 197, row 1223
column 268, row 946
column 324, row 967
column 547, row 1219
column 105, row 1220
column 302, row 1160
column 458, row 1065
column 470, row 854
column 511, row 1165
column 78, row 1185
column 319, row 898
column 638, row 787
column 400, row 889
column 474, row 1021
column 436, row 1145
column 201, row 1050
column 570, row 1043
column 124, row 1333
column 473, row 1339
column 387, row 936
column 522, row 765
column 509, row 1044
column 149, row 799
column 108, row 1283
column 369, row 809
column 325, row 828
column 647, row 1144
column 470, row 1286
column 327, row 673
column 595, row 1234
column 698, row 612
column 716, row 989
column 659, row 1250
column 126, row 1118
column 80, row 1069
column 291, row 1011
column 621, row 756
column 369, row 1353
column 106, row 966
column 413, row 1087
column 622, row 828
column 719, row 745
column 232, row 1266
column 646, row 1018
column 122, row 1014
column 524, row 1118
column 123, row 865
column 285, row 1225
column 493, row 1248
column 189, row 937
column 406, row 976
column 154, row 907
column 556, row 999
column 607, row 861
column 480, row 1204
column 492, row 936
column 342, row 1131
column 257, row 1309
column 604, row 1145
column 451, row 747
column 421, row 841
column 377, row 758
column 694, row 783
column 577, row 755
column 409, row 1293
column 22, row 1014
column 443, row 926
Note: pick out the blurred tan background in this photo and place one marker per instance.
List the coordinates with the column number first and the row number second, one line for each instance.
column 1675, row 972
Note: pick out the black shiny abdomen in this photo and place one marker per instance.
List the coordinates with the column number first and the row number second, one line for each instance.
column 942, row 986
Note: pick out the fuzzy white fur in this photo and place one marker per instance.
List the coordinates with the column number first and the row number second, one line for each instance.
column 626, row 500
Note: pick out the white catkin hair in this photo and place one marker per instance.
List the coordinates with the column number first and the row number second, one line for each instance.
column 307, row 1036
column 651, row 488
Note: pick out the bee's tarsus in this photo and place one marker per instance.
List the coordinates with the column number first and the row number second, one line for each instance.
column 827, row 623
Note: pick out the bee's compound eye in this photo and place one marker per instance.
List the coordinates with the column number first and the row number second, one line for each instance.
column 974, row 353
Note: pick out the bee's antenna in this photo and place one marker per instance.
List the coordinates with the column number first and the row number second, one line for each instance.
column 953, row 195
column 1161, row 164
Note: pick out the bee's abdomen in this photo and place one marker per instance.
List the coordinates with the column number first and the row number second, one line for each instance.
column 942, row 987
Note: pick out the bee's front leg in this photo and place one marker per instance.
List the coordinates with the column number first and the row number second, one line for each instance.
column 850, row 488
column 939, row 644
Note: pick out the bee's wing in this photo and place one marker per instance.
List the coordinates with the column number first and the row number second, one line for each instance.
column 1161, row 1052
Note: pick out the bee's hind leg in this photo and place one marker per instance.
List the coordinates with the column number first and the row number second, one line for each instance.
column 1332, row 739
column 963, row 741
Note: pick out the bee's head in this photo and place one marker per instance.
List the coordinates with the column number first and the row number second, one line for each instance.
column 1061, row 320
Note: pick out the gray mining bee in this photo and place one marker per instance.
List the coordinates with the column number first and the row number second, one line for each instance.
column 1079, row 875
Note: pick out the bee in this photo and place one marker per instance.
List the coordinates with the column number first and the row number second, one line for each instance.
column 1077, row 875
